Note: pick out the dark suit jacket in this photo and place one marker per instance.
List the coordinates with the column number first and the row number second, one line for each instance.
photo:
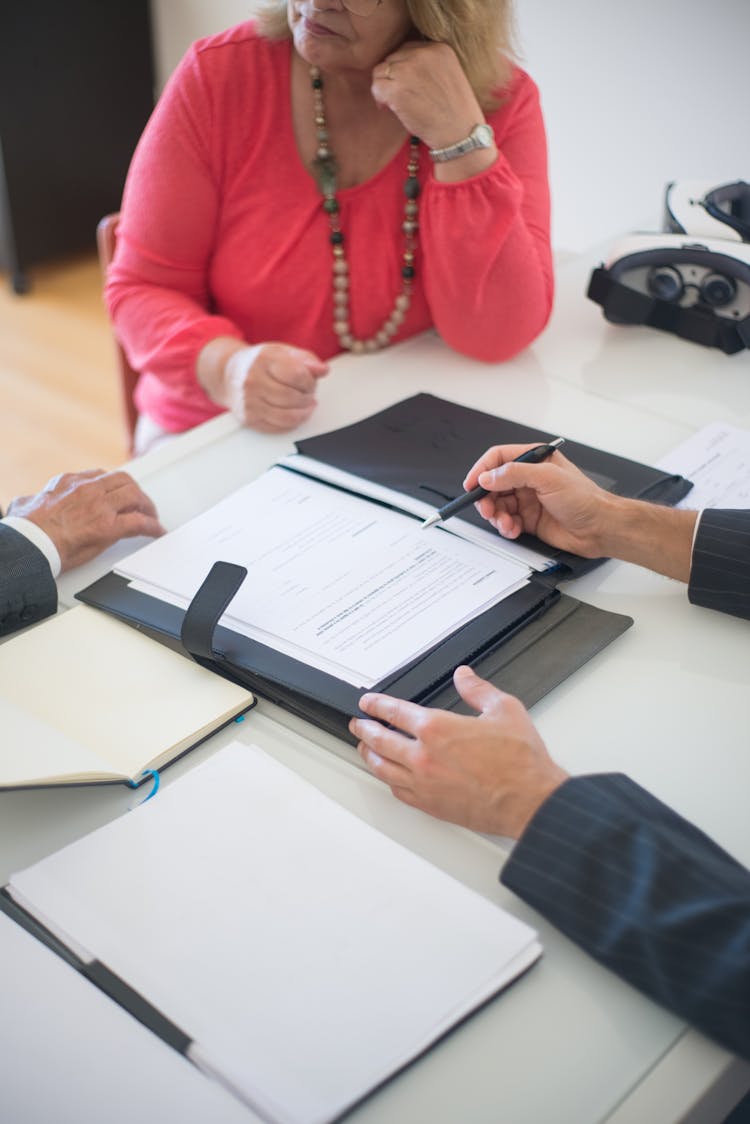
column 27, row 588
column 646, row 894
column 720, row 575
column 632, row 882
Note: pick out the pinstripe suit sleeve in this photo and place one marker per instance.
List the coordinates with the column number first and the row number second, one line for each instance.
column 27, row 588
column 720, row 573
column 645, row 893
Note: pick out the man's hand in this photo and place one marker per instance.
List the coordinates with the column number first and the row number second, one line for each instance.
column 553, row 500
column 85, row 512
column 490, row 773
column 563, row 507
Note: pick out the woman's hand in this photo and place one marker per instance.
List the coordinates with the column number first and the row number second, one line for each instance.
column 269, row 387
column 425, row 86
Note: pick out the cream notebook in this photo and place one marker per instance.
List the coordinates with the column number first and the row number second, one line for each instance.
column 86, row 699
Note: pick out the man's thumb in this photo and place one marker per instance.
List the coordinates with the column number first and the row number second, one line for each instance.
column 478, row 693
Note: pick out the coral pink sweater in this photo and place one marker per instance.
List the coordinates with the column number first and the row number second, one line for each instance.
column 223, row 232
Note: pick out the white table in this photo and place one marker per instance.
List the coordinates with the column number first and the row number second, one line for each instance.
column 667, row 703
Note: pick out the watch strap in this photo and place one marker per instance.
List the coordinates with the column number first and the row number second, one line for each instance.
column 468, row 144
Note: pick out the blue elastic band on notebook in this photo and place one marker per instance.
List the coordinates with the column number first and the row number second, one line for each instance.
column 144, row 775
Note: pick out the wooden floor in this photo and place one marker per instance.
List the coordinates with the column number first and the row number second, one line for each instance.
column 59, row 404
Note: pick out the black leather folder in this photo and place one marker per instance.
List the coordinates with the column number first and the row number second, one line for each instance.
column 526, row 644
column 425, row 445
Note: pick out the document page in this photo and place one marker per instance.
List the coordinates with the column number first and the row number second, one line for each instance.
column 487, row 538
column 717, row 460
column 64, row 1047
column 305, row 955
column 345, row 585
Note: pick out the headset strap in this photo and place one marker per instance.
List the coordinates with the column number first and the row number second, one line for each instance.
column 624, row 305
column 738, row 196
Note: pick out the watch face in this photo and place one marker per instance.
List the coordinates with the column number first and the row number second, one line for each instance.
column 484, row 136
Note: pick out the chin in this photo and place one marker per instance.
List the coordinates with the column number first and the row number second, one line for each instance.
column 313, row 50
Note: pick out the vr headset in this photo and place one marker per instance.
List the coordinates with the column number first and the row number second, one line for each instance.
column 698, row 208
column 691, row 282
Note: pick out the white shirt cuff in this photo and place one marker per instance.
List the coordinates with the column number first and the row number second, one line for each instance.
column 695, row 536
column 695, row 531
column 39, row 538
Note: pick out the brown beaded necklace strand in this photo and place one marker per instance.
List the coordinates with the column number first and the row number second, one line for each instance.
column 324, row 166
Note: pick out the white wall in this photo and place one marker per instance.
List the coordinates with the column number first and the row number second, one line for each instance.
column 178, row 23
column 635, row 93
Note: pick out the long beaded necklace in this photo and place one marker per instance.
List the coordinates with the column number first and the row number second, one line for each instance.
column 324, row 166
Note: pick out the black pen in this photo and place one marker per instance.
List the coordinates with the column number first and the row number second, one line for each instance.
column 531, row 456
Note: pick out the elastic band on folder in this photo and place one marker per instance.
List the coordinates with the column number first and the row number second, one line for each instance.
column 207, row 607
column 144, row 776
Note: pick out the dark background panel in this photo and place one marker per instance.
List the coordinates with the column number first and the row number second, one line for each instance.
column 76, row 89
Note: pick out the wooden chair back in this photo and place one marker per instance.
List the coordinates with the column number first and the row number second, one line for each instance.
column 106, row 240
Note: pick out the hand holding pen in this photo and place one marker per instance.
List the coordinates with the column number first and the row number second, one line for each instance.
column 534, row 455
column 553, row 500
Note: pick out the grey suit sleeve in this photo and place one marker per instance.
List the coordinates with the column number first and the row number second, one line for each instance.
column 645, row 893
column 720, row 573
column 27, row 588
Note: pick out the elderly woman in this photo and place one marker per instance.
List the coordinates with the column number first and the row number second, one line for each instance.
column 335, row 175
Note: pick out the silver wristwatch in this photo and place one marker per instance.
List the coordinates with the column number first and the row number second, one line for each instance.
column 481, row 136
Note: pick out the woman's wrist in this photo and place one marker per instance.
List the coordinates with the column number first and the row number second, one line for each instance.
column 471, row 163
column 466, row 166
column 211, row 367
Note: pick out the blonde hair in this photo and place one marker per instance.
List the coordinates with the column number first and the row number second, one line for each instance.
column 481, row 33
